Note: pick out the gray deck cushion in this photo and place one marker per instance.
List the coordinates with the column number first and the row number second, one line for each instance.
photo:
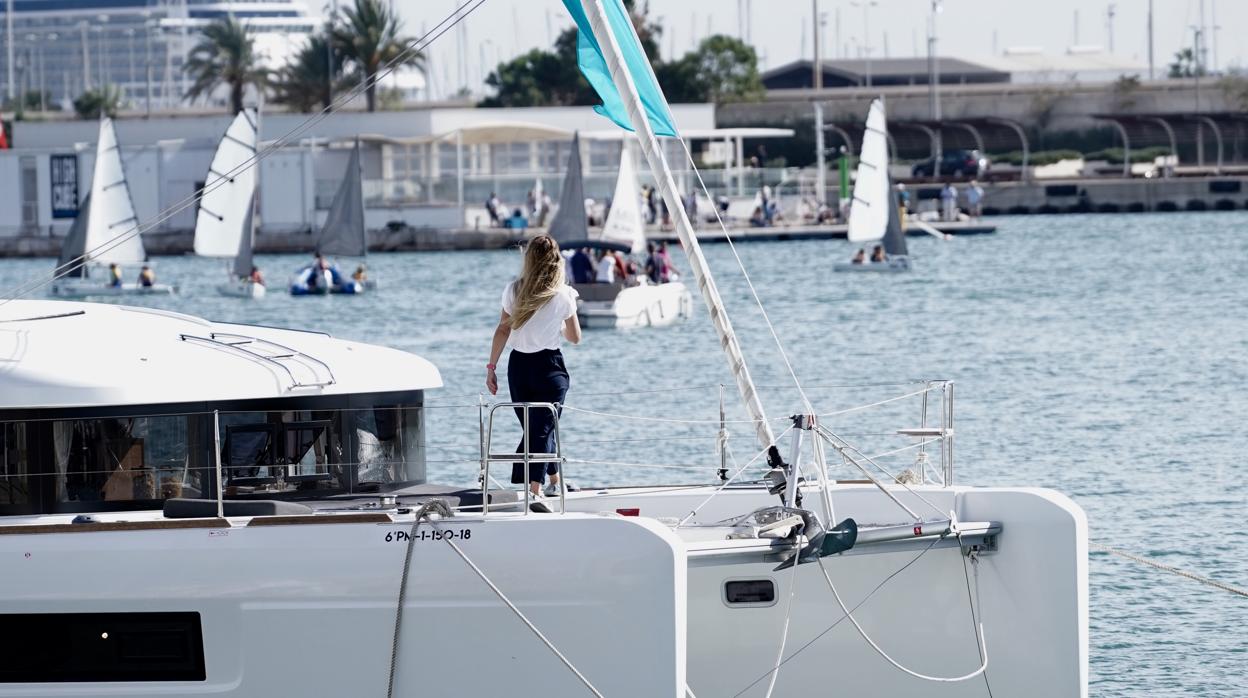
column 178, row 508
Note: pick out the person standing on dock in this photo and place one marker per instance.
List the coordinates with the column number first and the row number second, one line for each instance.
column 949, row 202
column 974, row 199
column 539, row 311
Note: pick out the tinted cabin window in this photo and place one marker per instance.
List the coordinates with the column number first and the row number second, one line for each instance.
column 100, row 647
column 752, row 592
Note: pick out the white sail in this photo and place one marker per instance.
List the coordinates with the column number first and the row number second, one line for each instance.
column 868, row 214
column 624, row 223
column 111, row 214
column 225, row 206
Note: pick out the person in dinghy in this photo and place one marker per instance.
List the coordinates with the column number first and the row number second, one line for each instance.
column 322, row 278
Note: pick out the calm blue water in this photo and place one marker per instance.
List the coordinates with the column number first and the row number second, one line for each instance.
column 1105, row 357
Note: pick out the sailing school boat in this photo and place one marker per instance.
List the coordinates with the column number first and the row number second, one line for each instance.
column 874, row 216
column 343, row 234
column 103, row 234
column 622, row 303
column 224, row 224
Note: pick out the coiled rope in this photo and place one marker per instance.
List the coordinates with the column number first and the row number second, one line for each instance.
column 1238, row 591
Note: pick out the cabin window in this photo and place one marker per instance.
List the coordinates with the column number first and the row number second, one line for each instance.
column 100, row 647
column 54, row 462
column 750, row 592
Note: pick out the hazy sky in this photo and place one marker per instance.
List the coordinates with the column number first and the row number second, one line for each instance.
column 500, row 29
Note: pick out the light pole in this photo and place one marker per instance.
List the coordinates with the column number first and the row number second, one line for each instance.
column 43, row 84
column 86, row 57
column 1151, row 74
column 130, row 35
column 329, row 52
column 933, row 80
column 8, row 43
column 866, row 6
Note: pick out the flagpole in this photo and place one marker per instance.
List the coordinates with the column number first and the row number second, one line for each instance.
column 596, row 13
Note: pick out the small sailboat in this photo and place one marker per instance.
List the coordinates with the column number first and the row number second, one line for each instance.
column 225, row 225
column 636, row 302
column 343, row 234
column 102, row 234
column 874, row 216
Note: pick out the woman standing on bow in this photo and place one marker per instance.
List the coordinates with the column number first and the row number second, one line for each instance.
column 539, row 311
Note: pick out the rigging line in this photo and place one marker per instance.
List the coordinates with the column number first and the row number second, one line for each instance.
column 788, row 613
column 983, row 647
column 671, row 420
column 977, row 607
column 1172, row 570
column 836, row 442
column 748, row 281
column 415, row 45
column 838, row 621
column 885, row 401
column 727, row 482
column 519, row 614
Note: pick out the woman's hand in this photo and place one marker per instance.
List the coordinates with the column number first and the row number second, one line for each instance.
column 491, row 381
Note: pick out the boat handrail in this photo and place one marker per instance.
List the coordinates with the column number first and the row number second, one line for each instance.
column 240, row 343
column 524, row 455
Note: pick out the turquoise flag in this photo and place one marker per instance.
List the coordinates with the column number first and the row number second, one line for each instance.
column 594, row 68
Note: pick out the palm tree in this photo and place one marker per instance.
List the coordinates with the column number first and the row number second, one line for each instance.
column 105, row 100
column 304, row 83
column 225, row 56
column 369, row 38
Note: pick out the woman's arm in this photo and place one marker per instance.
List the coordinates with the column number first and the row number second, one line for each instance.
column 572, row 329
column 501, row 333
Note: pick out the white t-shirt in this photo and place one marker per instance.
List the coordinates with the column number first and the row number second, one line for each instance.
column 545, row 329
column 606, row 269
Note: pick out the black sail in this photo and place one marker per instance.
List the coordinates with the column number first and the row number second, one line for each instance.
column 243, row 260
column 570, row 223
column 894, row 236
column 344, row 233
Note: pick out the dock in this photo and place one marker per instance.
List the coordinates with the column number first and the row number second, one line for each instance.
column 838, row 231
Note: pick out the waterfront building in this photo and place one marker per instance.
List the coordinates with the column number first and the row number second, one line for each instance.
column 61, row 48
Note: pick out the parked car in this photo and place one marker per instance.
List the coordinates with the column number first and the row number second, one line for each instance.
column 958, row 163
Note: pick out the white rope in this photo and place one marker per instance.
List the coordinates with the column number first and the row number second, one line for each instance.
column 519, row 614
column 788, row 614
column 413, row 46
column 979, row 637
column 727, row 482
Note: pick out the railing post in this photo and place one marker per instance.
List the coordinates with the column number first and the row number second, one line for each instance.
column 482, row 448
column 216, row 440
column 949, row 435
column 524, row 440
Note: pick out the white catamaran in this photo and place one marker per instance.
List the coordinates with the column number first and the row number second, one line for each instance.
column 103, row 234
column 225, row 223
column 637, row 302
column 874, row 216
column 343, row 234
column 252, row 527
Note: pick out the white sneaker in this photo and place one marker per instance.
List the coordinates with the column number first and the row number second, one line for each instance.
column 552, row 490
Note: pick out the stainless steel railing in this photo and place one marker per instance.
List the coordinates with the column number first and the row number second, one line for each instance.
column 524, row 456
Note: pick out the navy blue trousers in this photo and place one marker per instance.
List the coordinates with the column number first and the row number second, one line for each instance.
column 537, row 377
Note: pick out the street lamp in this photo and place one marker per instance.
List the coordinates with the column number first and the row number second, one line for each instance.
column 86, row 56
column 933, row 80
column 866, row 6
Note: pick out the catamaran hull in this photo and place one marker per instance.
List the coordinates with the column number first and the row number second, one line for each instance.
column 638, row 306
column 90, row 288
column 301, row 607
column 1031, row 585
column 242, row 289
column 892, row 266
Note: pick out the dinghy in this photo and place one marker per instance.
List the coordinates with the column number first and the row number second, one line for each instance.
column 624, row 304
column 343, row 234
column 104, row 234
column 874, row 215
column 225, row 223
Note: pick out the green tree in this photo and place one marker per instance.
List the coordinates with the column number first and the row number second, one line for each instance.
column 368, row 38
column 225, row 56
column 1185, row 65
column 721, row 69
column 105, row 100
column 304, row 83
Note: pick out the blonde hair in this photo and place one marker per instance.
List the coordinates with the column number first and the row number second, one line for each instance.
column 541, row 277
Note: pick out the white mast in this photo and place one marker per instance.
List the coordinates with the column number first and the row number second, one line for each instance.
column 596, row 13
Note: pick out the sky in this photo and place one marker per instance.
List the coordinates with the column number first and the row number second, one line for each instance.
column 781, row 29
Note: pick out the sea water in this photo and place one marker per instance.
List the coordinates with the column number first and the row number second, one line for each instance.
column 1105, row 357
